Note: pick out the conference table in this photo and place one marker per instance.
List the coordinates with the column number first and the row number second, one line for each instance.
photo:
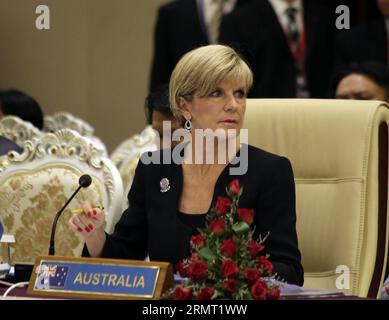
column 308, row 294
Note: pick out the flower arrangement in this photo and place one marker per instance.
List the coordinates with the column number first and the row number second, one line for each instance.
column 226, row 263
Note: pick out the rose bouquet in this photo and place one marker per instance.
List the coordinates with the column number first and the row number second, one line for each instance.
column 226, row 263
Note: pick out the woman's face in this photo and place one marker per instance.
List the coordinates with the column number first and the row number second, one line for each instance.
column 383, row 5
column 359, row 87
column 223, row 108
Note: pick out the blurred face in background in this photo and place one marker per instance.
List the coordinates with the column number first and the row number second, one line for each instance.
column 360, row 87
column 157, row 120
column 383, row 5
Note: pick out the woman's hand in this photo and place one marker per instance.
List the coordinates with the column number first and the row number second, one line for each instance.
column 88, row 223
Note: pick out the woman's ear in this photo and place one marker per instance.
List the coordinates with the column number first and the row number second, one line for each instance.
column 184, row 106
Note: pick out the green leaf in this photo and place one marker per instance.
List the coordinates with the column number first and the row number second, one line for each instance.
column 207, row 254
column 247, row 296
column 241, row 227
column 217, row 294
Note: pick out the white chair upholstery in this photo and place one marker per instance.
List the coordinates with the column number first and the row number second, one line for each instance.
column 65, row 120
column 17, row 129
column 339, row 153
column 36, row 184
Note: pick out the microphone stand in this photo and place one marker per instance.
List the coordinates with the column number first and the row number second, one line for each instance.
column 51, row 248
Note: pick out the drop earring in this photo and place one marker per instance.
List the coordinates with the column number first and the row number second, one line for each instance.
column 188, row 125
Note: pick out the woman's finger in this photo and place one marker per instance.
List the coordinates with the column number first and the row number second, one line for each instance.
column 75, row 224
column 87, row 223
column 88, row 209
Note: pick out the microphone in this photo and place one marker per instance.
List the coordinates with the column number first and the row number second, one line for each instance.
column 84, row 182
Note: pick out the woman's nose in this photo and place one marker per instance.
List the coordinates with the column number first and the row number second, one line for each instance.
column 232, row 102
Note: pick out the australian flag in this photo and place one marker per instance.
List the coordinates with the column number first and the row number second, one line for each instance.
column 58, row 279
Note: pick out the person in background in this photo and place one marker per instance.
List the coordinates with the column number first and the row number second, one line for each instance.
column 152, row 137
column 287, row 43
column 157, row 108
column 19, row 104
column 169, row 201
column 362, row 81
column 366, row 42
column 181, row 26
column 7, row 145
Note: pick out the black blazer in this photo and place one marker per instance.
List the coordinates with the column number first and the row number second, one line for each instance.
column 7, row 145
column 255, row 32
column 179, row 29
column 366, row 42
column 151, row 224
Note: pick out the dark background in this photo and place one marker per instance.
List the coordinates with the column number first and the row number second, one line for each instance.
column 360, row 10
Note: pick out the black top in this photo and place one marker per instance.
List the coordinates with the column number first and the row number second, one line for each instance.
column 7, row 145
column 151, row 225
column 193, row 221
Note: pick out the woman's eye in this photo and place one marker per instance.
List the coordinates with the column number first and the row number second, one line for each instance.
column 240, row 94
column 215, row 93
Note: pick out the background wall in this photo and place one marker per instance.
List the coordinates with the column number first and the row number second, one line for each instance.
column 94, row 62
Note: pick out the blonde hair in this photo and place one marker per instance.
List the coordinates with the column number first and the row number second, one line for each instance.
column 201, row 70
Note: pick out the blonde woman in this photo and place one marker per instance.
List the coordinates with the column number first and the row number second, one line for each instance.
column 169, row 201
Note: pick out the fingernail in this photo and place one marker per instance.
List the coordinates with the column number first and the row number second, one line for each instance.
column 90, row 213
column 90, row 226
column 79, row 229
column 94, row 212
column 87, row 229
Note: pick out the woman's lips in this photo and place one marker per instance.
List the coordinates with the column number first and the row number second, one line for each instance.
column 229, row 121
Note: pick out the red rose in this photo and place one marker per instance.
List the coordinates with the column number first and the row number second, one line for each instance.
column 251, row 275
column 181, row 269
column 217, row 226
column 273, row 293
column 233, row 188
column 222, row 205
column 264, row 264
column 205, row 294
column 194, row 257
column 259, row 290
column 197, row 241
column 246, row 215
column 198, row 270
column 254, row 248
column 181, row 293
column 229, row 285
column 229, row 269
column 228, row 248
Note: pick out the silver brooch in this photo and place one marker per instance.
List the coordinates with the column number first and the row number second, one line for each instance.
column 165, row 185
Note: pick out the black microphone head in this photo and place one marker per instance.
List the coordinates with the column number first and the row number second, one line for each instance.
column 85, row 180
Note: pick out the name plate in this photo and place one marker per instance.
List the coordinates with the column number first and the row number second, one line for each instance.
column 100, row 278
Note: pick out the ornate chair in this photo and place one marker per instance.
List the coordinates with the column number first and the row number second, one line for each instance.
column 65, row 120
column 17, row 129
column 339, row 153
column 36, row 183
